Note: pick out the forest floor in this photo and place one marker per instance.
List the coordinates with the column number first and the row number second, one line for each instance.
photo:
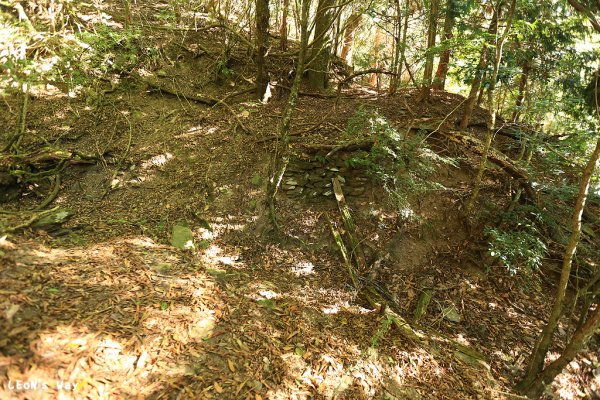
column 109, row 306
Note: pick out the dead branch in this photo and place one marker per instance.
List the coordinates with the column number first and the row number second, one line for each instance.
column 360, row 73
column 44, row 158
column 190, row 97
column 36, row 217
column 356, row 248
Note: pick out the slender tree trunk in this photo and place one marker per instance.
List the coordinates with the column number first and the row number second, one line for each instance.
column 337, row 32
column 283, row 30
column 402, row 63
column 375, row 54
column 491, row 126
column 522, row 90
column 480, row 69
column 431, row 33
column 352, row 25
column 321, row 49
column 262, row 38
column 481, row 89
column 577, row 342
column 439, row 82
column 281, row 157
column 535, row 374
column 396, row 62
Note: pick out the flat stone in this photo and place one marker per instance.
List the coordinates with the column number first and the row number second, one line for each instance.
column 468, row 359
column 182, row 237
column 451, row 314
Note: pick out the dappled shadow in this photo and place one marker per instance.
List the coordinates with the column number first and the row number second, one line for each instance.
column 110, row 318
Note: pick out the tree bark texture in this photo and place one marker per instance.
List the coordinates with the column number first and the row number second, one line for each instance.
column 352, row 24
column 320, row 51
column 283, row 30
column 431, row 34
column 262, row 39
column 441, row 73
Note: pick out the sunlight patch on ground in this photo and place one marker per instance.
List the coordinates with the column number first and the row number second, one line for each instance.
column 159, row 160
column 333, row 309
column 214, row 256
column 303, row 268
column 268, row 294
column 221, row 225
column 127, row 326
column 331, row 376
column 142, row 241
column 146, row 173
column 198, row 130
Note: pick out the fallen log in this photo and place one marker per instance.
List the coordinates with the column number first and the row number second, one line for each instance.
column 356, row 248
column 376, row 296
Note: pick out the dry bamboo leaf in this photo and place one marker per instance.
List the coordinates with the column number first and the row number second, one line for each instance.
column 231, row 365
column 218, row 388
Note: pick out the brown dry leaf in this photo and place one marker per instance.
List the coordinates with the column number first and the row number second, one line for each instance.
column 17, row 330
column 11, row 311
column 231, row 365
column 218, row 388
column 257, row 396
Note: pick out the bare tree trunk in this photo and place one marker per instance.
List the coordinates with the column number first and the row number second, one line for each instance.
column 352, row 24
column 439, row 82
column 402, row 62
column 535, row 374
column 479, row 70
column 577, row 342
column 522, row 90
column 262, row 38
column 491, row 126
column 481, row 89
column 283, row 30
column 431, row 33
column 281, row 156
column 375, row 53
column 396, row 62
column 321, row 48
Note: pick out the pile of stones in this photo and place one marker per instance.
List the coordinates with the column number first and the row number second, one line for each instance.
column 310, row 177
